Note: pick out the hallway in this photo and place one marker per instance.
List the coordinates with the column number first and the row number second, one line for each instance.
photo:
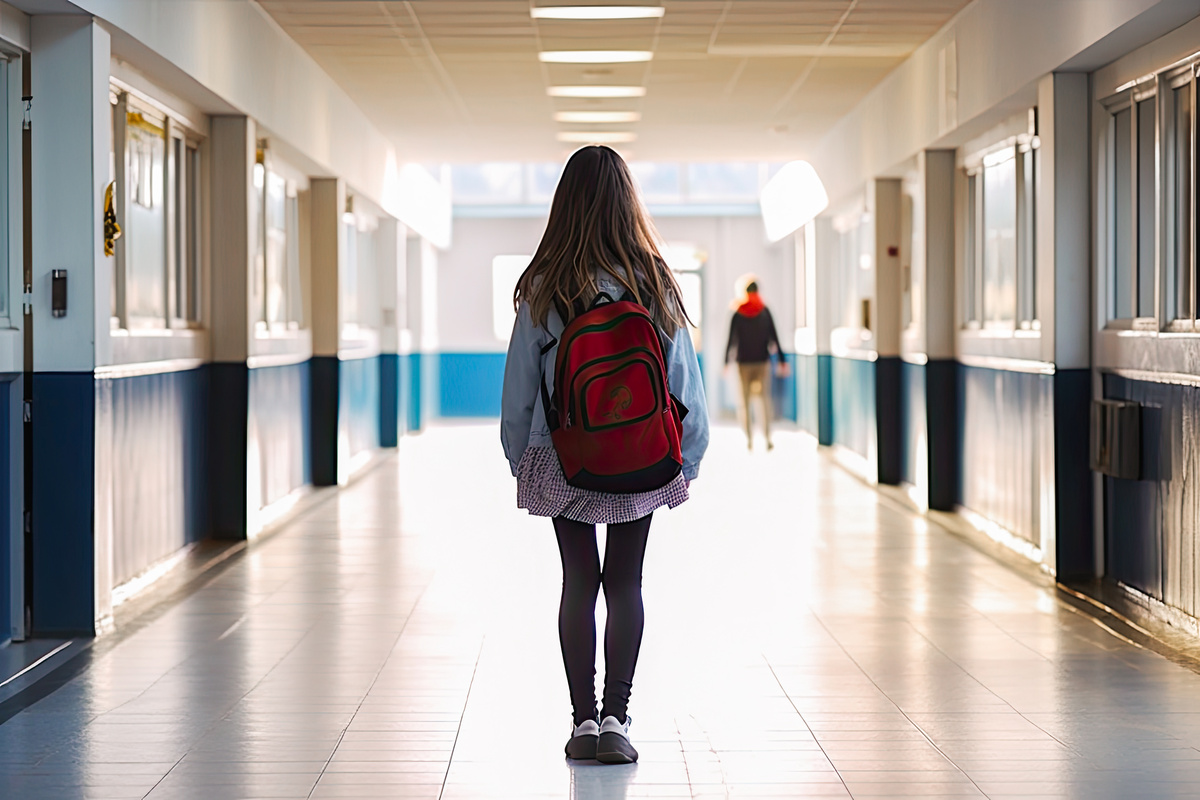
column 804, row 639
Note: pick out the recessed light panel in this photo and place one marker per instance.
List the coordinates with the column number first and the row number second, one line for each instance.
column 594, row 56
column 597, row 117
column 596, row 91
column 597, row 137
column 596, row 12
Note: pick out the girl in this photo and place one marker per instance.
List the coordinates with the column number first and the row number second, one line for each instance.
column 598, row 239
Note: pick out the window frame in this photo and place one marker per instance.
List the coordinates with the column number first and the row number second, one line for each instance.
column 177, row 191
column 1025, row 318
column 1172, row 81
column 294, row 317
column 1130, row 98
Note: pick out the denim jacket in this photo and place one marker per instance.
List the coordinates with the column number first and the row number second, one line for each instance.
column 523, row 418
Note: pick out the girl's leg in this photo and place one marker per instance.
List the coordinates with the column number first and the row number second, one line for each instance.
column 577, row 612
column 623, row 555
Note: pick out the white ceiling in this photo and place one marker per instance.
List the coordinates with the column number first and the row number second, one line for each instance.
column 756, row 80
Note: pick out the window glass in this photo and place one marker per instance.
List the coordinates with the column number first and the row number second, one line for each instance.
column 195, row 287
column 971, row 257
column 295, row 301
column 348, row 276
column 723, row 181
column 277, row 249
column 496, row 182
column 258, row 234
column 1000, row 241
column 1181, row 195
column 368, row 283
column 179, row 230
column 1147, row 202
column 660, row 181
column 1122, row 208
column 542, row 180
column 145, row 250
column 506, row 271
column 1027, row 237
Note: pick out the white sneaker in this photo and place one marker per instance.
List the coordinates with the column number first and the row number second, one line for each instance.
column 613, row 746
column 584, row 737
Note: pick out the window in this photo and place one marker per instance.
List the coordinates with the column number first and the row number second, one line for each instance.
column 498, row 182
column 1146, row 206
column 158, row 201
column 660, row 182
column 1000, row 237
column 1122, row 210
column 506, row 271
column 275, row 289
column 1178, row 151
column 723, row 181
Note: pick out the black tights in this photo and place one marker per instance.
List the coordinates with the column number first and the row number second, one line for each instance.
column 622, row 578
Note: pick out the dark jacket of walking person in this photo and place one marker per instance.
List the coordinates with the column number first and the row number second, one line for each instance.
column 752, row 339
column 598, row 241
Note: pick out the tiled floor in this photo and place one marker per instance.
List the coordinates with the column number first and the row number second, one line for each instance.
column 803, row 640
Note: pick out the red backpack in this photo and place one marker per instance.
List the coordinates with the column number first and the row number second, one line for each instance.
column 615, row 424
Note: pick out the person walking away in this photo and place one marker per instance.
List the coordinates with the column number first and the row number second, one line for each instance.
column 600, row 358
column 752, row 339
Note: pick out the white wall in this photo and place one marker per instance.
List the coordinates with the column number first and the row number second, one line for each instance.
column 984, row 65
column 238, row 59
column 735, row 246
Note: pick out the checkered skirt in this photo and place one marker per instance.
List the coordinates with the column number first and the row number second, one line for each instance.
column 543, row 491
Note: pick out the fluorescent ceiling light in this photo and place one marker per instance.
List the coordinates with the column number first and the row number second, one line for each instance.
column 597, row 117
column 596, row 91
column 596, row 137
column 597, row 12
column 594, row 56
column 791, row 199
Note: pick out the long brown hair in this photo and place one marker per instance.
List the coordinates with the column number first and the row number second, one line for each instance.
column 597, row 222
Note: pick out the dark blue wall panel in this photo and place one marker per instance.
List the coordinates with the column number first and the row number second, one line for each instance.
column 279, row 433
column 358, row 405
column 783, row 391
column 1074, row 486
column 228, row 412
column 1006, row 439
column 942, row 424
column 889, row 415
column 853, row 403
column 323, row 418
column 6, row 530
column 914, row 438
column 63, row 490
column 152, row 431
column 1152, row 526
column 470, row 384
column 389, row 400
column 411, row 378
column 825, row 399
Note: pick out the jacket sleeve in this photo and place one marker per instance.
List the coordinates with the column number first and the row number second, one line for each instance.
column 683, row 376
column 522, row 378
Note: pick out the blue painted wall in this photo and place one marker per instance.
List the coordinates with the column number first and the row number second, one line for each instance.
column 852, row 403
column 7, row 387
column 152, row 431
column 1005, row 419
column 470, row 384
column 914, row 440
column 1152, row 526
column 411, row 378
column 279, row 450
column 390, row 392
column 64, row 477
column 804, row 368
column 358, row 405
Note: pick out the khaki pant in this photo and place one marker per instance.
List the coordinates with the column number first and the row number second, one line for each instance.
column 756, row 379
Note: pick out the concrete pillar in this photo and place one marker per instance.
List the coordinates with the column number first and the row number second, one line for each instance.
column 938, row 298
column 1069, row 545
column 328, row 204
column 72, row 580
column 889, row 408
column 231, row 165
